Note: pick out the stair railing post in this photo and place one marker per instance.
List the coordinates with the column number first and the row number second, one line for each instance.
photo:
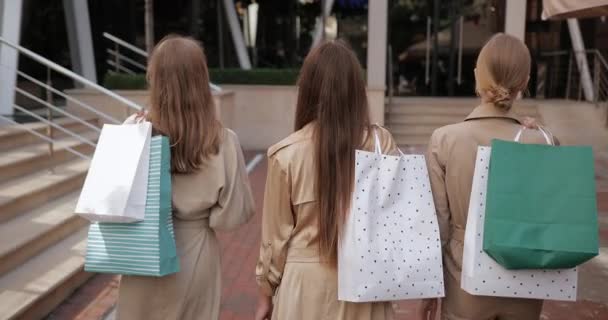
column 596, row 77
column 569, row 76
column 116, row 57
column 49, row 115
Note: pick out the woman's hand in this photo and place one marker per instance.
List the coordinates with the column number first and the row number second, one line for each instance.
column 427, row 309
column 264, row 308
column 530, row 123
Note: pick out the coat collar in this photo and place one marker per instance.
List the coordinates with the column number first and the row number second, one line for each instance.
column 487, row 110
column 305, row 133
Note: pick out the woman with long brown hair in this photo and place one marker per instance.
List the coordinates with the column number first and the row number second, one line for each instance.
column 209, row 185
column 308, row 192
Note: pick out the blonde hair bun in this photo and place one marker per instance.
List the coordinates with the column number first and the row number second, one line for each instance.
column 503, row 70
column 499, row 96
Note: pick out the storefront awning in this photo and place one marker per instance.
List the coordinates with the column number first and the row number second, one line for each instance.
column 564, row 9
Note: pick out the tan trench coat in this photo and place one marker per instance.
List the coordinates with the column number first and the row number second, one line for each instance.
column 451, row 163
column 289, row 267
column 217, row 197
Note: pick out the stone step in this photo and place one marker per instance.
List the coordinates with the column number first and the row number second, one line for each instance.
column 28, row 192
column 411, row 140
column 413, row 130
column 38, row 286
column 438, row 110
column 14, row 136
column 423, row 119
column 35, row 157
column 30, row 233
column 449, row 108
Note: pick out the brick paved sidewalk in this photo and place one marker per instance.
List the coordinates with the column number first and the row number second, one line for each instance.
column 240, row 251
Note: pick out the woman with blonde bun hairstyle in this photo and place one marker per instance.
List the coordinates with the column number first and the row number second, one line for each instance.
column 502, row 74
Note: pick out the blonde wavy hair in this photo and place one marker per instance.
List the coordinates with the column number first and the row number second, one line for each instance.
column 503, row 70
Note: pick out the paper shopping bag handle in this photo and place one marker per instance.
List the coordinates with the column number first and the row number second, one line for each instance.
column 548, row 137
column 377, row 146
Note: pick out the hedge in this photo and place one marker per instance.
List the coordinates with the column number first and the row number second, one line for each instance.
column 120, row 81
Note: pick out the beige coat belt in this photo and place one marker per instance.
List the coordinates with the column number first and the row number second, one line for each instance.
column 305, row 255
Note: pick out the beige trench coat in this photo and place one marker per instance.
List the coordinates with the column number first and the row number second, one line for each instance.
column 451, row 163
column 216, row 197
column 289, row 267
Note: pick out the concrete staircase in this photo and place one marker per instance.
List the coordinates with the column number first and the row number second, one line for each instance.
column 41, row 240
column 413, row 120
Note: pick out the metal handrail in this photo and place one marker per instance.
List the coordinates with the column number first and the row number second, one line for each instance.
column 125, row 44
column 69, row 98
column 122, row 57
column 54, row 125
column 120, row 67
column 56, row 109
column 43, row 137
column 48, row 63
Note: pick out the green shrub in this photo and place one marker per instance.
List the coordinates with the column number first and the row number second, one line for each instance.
column 119, row 81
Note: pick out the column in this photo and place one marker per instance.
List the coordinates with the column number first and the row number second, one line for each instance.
column 515, row 18
column 10, row 30
column 581, row 59
column 237, row 35
column 377, row 21
column 79, row 36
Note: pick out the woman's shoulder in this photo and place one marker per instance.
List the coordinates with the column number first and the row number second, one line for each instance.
column 292, row 142
column 229, row 140
column 385, row 138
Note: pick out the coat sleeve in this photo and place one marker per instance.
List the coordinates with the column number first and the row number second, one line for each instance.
column 277, row 226
column 436, row 170
column 235, row 202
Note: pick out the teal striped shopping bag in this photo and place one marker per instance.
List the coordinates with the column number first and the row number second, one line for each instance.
column 144, row 248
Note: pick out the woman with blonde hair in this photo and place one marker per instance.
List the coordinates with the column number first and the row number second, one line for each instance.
column 502, row 74
column 209, row 185
column 308, row 192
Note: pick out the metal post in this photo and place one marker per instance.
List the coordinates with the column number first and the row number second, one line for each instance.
column 452, row 60
column 581, row 58
column 116, row 57
column 460, row 44
column 390, row 78
column 220, row 33
column 237, row 36
column 427, row 56
column 49, row 115
column 435, row 74
column 323, row 19
column 149, row 24
column 568, row 85
column 596, row 77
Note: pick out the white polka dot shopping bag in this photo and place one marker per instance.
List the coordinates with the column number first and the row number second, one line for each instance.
column 481, row 275
column 390, row 247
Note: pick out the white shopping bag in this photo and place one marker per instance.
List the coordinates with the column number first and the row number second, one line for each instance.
column 116, row 185
column 390, row 248
column 481, row 275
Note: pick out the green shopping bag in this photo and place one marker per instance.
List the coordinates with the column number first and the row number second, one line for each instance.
column 541, row 210
column 145, row 248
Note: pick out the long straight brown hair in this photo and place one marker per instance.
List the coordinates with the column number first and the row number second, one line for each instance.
column 332, row 95
column 181, row 104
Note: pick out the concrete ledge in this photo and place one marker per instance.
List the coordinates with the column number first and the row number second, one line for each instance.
column 224, row 102
column 261, row 115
